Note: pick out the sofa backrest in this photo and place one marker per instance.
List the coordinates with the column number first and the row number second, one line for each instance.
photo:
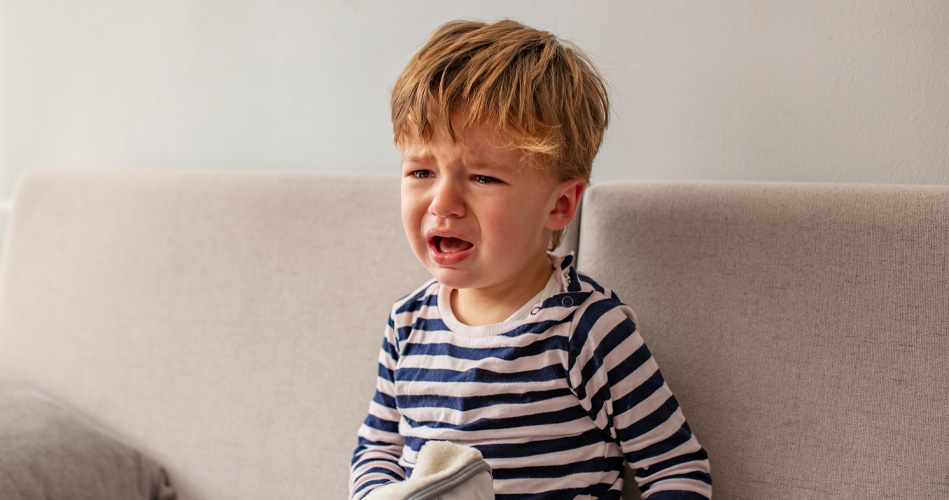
column 225, row 323
column 228, row 323
column 803, row 328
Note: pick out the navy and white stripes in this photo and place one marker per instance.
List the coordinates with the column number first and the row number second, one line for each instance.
column 556, row 403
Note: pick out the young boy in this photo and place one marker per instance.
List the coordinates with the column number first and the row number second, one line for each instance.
column 509, row 350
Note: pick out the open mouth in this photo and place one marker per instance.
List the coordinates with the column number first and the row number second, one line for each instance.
column 450, row 245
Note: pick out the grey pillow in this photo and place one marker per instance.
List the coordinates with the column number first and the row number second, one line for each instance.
column 48, row 452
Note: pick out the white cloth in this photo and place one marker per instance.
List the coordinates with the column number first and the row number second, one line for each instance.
column 444, row 471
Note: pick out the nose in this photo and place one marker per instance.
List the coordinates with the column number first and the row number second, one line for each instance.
column 447, row 200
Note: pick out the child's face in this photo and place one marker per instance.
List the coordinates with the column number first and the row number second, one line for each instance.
column 474, row 216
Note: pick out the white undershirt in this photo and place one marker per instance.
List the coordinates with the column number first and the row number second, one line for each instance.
column 553, row 287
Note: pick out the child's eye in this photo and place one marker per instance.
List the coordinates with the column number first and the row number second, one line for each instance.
column 486, row 179
column 421, row 174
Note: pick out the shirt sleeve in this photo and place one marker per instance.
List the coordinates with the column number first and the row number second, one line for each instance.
column 375, row 461
column 619, row 385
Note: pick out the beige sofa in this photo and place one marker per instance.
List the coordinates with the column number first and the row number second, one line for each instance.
column 226, row 324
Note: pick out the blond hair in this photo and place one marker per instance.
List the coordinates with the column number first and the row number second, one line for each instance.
column 544, row 93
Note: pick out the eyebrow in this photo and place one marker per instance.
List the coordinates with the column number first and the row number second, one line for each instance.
column 417, row 158
column 474, row 163
column 485, row 165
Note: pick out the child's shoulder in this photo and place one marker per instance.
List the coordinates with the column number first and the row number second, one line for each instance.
column 414, row 300
column 577, row 282
column 592, row 300
column 588, row 284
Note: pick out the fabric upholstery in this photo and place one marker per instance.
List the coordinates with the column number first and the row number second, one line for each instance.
column 226, row 323
column 803, row 328
column 51, row 453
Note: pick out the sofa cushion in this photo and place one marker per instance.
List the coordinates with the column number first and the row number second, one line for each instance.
column 804, row 328
column 229, row 321
column 49, row 452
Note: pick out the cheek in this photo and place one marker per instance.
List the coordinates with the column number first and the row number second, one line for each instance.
column 514, row 222
column 410, row 219
column 412, row 211
column 408, row 203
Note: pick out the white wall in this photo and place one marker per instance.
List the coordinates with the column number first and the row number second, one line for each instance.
column 842, row 91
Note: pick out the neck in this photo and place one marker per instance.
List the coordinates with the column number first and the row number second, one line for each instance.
column 485, row 306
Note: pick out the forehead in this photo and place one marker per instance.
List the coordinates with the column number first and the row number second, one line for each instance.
column 473, row 143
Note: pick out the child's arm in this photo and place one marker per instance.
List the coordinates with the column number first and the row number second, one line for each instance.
column 376, row 459
column 619, row 384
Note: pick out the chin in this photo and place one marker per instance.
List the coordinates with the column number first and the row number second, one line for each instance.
column 451, row 278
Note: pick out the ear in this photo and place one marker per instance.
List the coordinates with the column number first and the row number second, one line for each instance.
column 566, row 197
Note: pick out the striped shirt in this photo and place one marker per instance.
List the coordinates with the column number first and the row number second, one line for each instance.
column 556, row 402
